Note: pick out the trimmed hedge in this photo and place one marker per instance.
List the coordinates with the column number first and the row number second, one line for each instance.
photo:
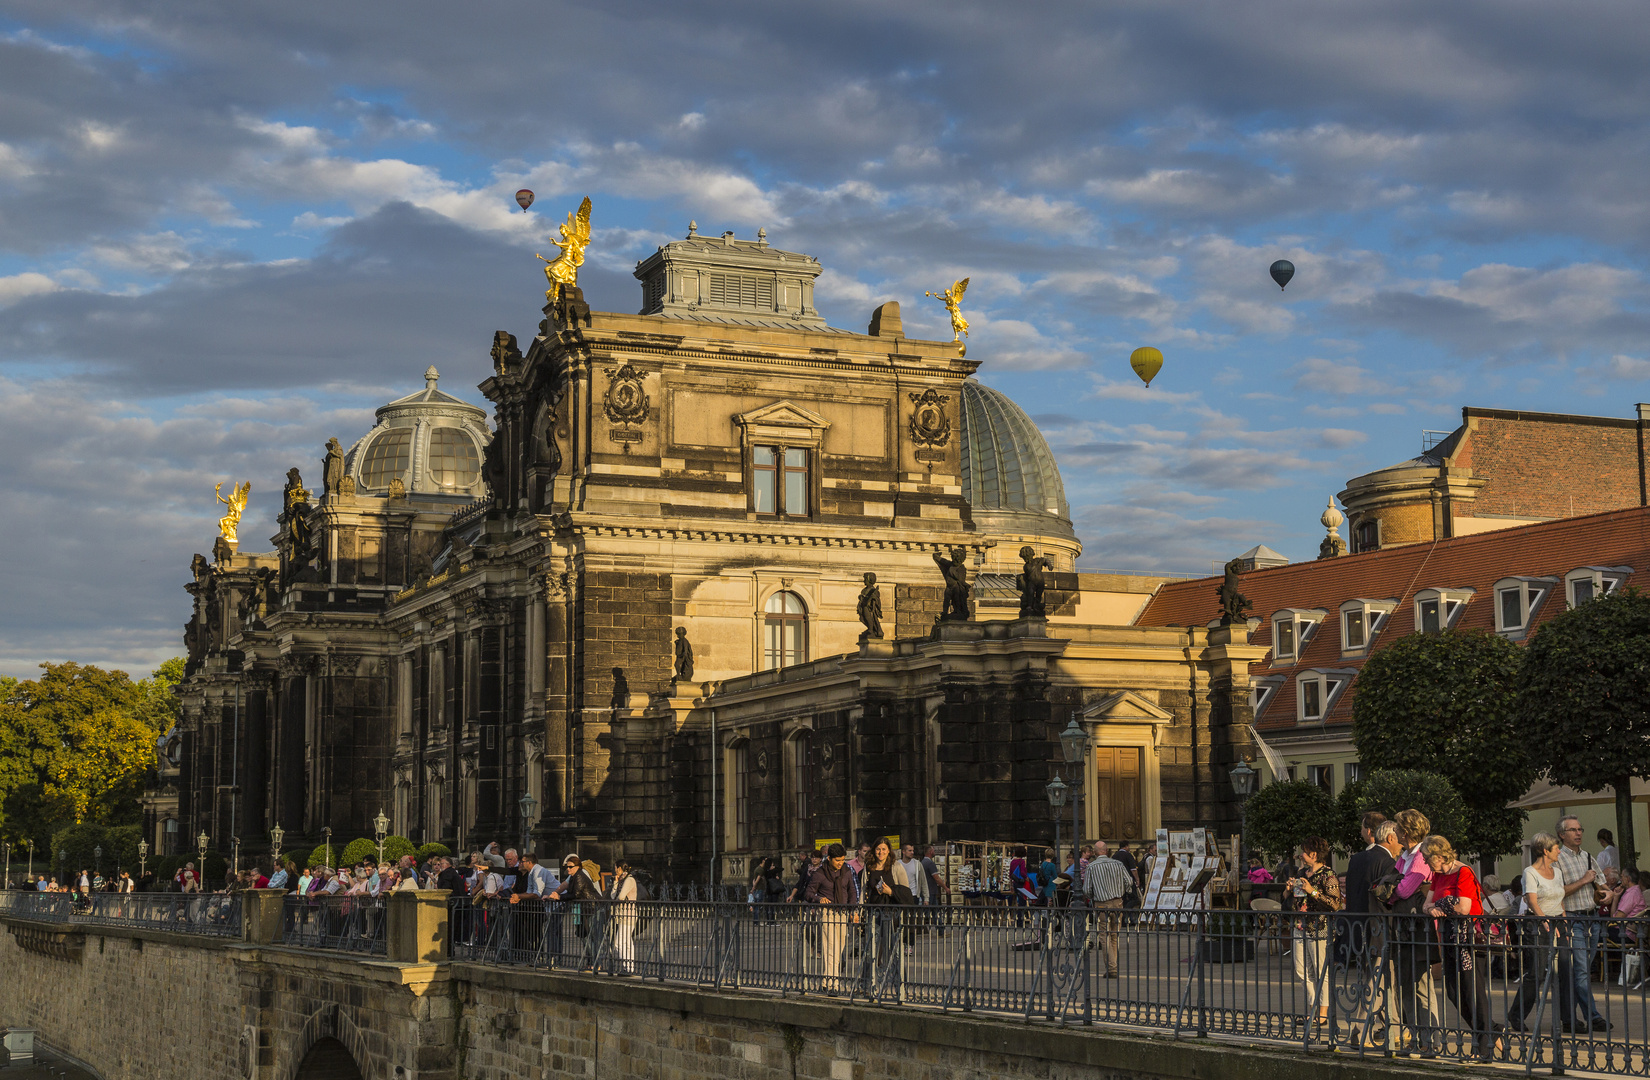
column 429, row 851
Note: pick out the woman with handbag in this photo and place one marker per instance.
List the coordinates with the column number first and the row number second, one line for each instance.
column 1314, row 896
column 885, row 890
column 1457, row 903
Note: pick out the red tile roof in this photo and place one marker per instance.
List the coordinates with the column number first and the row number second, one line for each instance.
column 1548, row 549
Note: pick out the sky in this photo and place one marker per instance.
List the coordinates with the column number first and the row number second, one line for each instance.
column 230, row 231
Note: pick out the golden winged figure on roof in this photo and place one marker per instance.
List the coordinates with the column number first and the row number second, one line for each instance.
column 952, row 299
column 563, row 270
column 229, row 525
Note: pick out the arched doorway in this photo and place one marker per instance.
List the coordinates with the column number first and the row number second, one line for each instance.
column 328, row 1060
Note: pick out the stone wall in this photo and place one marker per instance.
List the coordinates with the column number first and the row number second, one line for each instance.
column 138, row 1004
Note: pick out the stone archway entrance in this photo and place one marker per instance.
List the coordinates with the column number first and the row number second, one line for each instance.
column 328, row 1059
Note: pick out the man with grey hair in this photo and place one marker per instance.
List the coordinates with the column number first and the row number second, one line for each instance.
column 1367, row 932
column 1105, row 883
column 1580, row 935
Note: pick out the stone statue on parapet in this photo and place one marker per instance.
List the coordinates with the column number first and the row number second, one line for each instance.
column 332, row 468
column 563, row 270
column 684, row 657
column 1031, row 583
column 870, row 609
column 234, row 506
column 952, row 299
column 955, row 570
column 1234, row 606
column 621, row 691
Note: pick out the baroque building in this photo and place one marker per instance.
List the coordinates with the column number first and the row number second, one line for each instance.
column 681, row 602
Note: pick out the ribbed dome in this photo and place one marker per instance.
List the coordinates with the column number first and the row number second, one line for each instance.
column 429, row 440
column 1006, row 463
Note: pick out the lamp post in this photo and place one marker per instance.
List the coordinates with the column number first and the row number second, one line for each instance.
column 527, row 803
column 8, row 865
column 143, row 860
column 1074, row 744
column 97, row 860
column 326, row 846
column 234, row 856
column 276, row 835
column 1243, row 778
column 202, row 840
column 1056, row 791
column 380, row 829
column 62, row 861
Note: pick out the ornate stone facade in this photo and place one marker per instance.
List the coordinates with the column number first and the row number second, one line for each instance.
column 713, row 465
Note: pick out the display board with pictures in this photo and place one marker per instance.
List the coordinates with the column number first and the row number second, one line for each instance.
column 1194, row 867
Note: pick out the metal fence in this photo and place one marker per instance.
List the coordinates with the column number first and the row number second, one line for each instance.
column 211, row 914
column 342, row 923
column 1499, row 990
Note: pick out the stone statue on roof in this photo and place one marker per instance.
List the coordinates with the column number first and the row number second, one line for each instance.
column 1031, row 583
column 955, row 571
column 870, row 609
column 1234, row 606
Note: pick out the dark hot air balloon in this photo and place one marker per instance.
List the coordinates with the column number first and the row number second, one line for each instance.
column 1282, row 271
column 524, row 198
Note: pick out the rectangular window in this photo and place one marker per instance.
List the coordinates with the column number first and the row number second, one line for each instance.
column 765, row 479
column 796, row 482
column 1284, row 635
column 741, row 798
column 1581, row 591
column 1429, row 617
column 1354, row 630
column 1512, row 608
column 1354, row 771
column 1312, row 700
column 1323, row 776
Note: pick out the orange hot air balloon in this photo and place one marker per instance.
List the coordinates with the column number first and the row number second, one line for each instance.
column 1147, row 362
column 524, row 198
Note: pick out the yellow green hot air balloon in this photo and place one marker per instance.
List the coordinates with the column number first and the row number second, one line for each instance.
column 1147, row 362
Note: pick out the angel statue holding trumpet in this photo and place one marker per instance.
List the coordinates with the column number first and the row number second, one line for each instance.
column 564, row 269
column 952, row 299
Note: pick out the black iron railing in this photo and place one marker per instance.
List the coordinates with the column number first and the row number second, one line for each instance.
column 342, row 923
column 211, row 914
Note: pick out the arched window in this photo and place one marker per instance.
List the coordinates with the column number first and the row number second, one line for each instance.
column 387, row 458
column 453, row 458
column 784, row 631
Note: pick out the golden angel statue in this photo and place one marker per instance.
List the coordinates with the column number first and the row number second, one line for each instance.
column 952, row 299
column 230, row 523
column 564, row 269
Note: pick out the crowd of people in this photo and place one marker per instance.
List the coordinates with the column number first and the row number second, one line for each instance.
column 1423, row 921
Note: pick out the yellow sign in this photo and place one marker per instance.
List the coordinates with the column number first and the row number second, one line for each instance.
column 822, row 845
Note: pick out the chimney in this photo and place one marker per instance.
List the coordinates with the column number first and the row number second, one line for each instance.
column 1644, row 458
column 885, row 321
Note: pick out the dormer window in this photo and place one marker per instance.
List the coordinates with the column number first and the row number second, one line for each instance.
column 1361, row 620
column 1517, row 600
column 1261, row 693
column 1591, row 582
column 1292, row 630
column 1317, row 691
column 1437, row 610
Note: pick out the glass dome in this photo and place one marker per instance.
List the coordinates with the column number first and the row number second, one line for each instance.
column 431, row 441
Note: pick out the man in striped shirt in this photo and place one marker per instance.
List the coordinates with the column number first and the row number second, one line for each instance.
column 1104, row 883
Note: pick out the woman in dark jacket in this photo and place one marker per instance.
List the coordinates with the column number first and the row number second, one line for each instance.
column 885, row 889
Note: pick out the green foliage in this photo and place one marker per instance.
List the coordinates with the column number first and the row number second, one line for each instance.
column 1446, row 704
column 1281, row 815
column 323, row 855
column 358, row 850
column 76, row 745
column 299, row 856
column 397, row 847
column 428, row 851
column 1584, row 696
column 1392, row 790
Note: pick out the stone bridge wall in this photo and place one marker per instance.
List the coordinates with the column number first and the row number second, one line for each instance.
column 137, row 1004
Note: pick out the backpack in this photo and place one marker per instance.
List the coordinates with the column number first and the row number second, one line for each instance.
column 644, row 914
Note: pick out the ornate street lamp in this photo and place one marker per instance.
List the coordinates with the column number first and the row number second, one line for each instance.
column 276, row 835
column 1056, row 791
column 8, row 865
column 202, row 840
column 97, row 860
column 234, row 856
column 527, row 804
column 143, row 860
column 326, row 842
column 1074, row 744
column 62, row 861
column 381, row 828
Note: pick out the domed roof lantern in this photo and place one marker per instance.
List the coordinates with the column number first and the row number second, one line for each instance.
column 429, row 441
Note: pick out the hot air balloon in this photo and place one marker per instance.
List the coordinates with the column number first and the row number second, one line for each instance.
column 524, row 198
column 1282, row 271
column 1147, row 362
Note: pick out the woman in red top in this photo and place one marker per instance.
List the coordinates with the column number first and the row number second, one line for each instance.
column 1456, row 901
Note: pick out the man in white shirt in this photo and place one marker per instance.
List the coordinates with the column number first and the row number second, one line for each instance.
column 914, row 873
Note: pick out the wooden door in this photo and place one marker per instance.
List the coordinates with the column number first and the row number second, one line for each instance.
column 1117, row 792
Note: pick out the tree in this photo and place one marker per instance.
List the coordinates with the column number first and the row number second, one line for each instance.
column 1279, row 816
column 1444, row 703
column 1392, row 790
column 1584, row 700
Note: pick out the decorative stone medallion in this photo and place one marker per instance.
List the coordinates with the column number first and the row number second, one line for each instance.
column 930, row 426
column 625, row 401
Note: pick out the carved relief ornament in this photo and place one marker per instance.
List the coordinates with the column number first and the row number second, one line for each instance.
column 625, row 401
column 930, row 426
